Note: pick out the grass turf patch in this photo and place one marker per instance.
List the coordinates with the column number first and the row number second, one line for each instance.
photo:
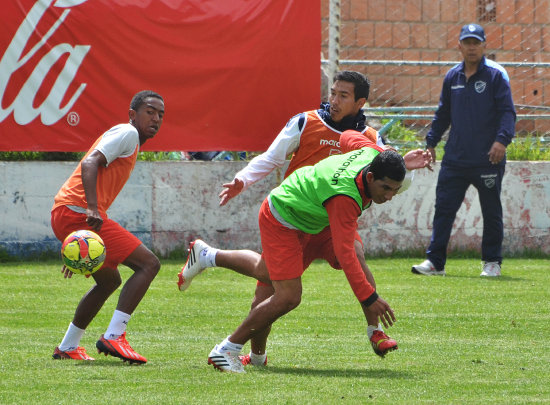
column 462, row 339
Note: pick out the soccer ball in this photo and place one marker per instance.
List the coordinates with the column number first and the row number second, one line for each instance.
column 83, row 252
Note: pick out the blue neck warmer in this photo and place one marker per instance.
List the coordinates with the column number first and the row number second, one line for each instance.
column 356, row 122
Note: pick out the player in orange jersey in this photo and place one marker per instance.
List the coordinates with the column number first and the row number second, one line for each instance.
column 82, row 203
column 310, row 137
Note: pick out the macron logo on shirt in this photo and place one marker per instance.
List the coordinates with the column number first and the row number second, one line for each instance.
column 326, row 142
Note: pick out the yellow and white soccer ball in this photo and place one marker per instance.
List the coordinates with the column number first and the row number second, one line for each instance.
column 83, row 252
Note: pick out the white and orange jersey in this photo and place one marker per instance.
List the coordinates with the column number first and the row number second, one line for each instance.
column 307, row 137
column 120, row 146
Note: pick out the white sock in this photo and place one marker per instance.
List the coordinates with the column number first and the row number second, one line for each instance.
column 226, row 345
column 207, row 257
column 257, row 359
column 372, row 328
column 118, row 325
column 72, row 338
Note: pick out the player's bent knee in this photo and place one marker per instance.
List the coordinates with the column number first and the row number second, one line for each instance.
column 151, row 267
column 154, row 266
column 108, row 280
column 288, row 303
column 144, row 261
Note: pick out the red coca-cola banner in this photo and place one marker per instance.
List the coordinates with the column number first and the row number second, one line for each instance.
column 231, row 71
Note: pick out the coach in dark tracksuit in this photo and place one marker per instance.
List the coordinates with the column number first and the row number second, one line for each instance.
column 476, row 102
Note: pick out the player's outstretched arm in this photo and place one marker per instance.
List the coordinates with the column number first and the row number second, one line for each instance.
column 230, row 190
column 418, row 159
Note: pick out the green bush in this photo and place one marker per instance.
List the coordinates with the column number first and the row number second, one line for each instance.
column 76, row 156
column 41, row 156
column 158, row 156
column 399, row 132
column 526, row 147
column 529, row 147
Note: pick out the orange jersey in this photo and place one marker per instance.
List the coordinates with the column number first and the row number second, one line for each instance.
column 308, row 138
column 110, row 181
column 319, row 141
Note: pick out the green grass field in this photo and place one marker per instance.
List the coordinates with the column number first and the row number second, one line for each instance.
column 462, row 339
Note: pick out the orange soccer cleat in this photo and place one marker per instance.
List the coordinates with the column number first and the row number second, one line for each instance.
column 77, row 354
column 245, row 359
column 120, row 348
column 382, row 343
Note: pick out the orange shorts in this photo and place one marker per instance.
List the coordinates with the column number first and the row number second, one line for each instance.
column 119, row 242
column 289, row 252
column 320, row 246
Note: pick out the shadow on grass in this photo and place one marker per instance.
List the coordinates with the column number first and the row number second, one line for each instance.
column 491, row 279
column 114, row 362
column 379, row 374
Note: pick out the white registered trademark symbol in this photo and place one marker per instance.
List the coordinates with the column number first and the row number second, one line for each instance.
column 73, row 119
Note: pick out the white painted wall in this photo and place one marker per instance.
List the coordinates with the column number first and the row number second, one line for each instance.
column 168, row 204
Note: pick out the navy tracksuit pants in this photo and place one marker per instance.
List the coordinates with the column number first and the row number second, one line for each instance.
column 452, row 184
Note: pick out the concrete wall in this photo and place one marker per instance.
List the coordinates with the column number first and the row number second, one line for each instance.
column 168, row 204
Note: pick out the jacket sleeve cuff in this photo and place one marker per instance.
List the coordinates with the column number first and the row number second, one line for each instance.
column 503, row 140
column 373, row 297
column 430, row 145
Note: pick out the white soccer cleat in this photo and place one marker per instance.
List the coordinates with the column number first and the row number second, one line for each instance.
column 227, row 361
column 427, row 268
column 193, row 265
column 491, row 269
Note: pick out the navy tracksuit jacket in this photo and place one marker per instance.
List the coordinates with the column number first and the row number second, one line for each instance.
column 479, row 111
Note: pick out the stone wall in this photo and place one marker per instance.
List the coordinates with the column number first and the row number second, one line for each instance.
column 168, row 204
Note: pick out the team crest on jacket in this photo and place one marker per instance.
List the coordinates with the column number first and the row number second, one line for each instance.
column 480, row 86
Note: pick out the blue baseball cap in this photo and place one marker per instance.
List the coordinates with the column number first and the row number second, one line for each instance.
column 472, row 31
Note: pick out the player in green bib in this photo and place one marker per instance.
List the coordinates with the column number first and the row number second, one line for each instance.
column 298, row 201
column 333, row 192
